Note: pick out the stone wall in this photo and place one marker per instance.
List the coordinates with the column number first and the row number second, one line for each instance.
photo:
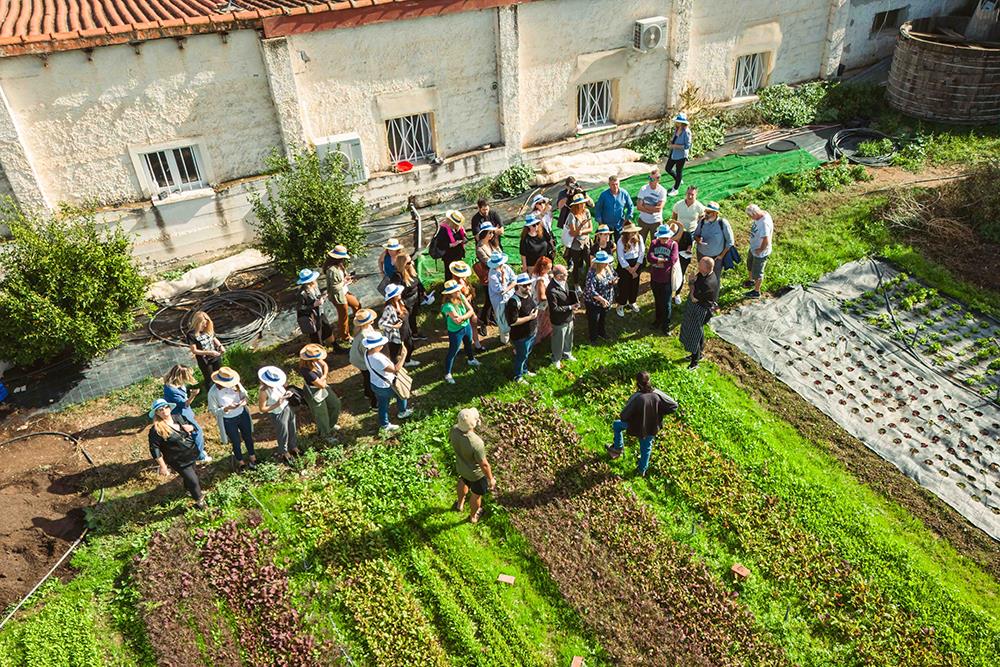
column 863, row 47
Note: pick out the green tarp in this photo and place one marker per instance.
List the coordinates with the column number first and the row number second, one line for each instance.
column 716, row 180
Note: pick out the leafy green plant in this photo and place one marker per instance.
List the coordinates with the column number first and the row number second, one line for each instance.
column 481, row 189
column 308, row 207
column 790, row 107
column 69, row 285
column 876, row 147
column 513, row 180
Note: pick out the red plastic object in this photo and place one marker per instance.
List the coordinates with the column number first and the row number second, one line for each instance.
column 404, row 166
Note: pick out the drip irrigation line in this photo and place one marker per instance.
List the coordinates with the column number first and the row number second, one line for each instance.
column 837, row 146
column 79, row 540
column 259, row 304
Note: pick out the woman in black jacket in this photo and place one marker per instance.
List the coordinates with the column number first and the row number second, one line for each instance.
column 536, row 242
column 171, row 444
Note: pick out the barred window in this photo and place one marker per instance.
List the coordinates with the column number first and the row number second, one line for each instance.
column 410, row 138
column 173, row 171
column 593, row 105
column 750, row 71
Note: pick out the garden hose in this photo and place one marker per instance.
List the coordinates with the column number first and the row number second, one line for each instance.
column 79, row 540
column 839, row 146
column 259, row 304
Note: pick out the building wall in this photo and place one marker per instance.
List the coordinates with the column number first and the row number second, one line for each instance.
column 553, row 35
column 5, row 189
column 794, row 31
column 862, row 48
column 77, row 117
column 353, row 78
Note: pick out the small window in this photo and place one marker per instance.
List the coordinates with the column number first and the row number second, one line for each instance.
column 593, row 105
column 410, row 138
column 173, row 171
column 888, row 22
column 750, row 71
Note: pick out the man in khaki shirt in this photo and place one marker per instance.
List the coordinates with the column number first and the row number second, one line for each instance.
column 474, row 472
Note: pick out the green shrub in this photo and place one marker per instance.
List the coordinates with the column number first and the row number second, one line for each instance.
column 875, row 147
column 70, row 285
column 308, row 208
column 790, row 107
column 481, row 189
column 513, row 180
column 844, row 102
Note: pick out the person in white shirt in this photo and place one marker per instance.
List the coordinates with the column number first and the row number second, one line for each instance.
column 272, row 400
column 229, row 398
column 650, row 201
column 631, row 251
column 541, row 206
column 500, row 285
column 684, row 220
column 761, row 235
column 383, row 371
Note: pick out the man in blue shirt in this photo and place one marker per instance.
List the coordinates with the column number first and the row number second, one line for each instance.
column 614, row 207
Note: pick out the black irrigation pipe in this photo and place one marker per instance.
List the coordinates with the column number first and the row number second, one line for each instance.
column 863, row 134
column 257, row 303
column 79, row 540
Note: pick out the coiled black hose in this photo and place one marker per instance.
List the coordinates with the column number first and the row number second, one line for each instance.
column 841, row 142
column 260, row 305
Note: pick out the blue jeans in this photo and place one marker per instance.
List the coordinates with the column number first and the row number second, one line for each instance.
column 384, row 397
column 645, row 445
column 522, row 349
column 198, row 434
column 237, row 428
column 457, row 339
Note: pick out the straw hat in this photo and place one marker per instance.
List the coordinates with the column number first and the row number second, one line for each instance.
column 226, row 377
column 392, row 291
column 272, row 376
column 537, row 199
column 364, row 316
column 460, row 269
column 630, row 228
column 392, row 244
column 603, row 229
column 159, row 404
column 467, row 419
column 451, row 287
column 312, row 352
column 339, row 252
column 578, row 198
column 523, row 279
column 455, row 216
column 306, row 276
column 712, row 206
column 378, row 340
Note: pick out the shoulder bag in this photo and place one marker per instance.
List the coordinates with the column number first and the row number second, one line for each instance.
column 402, row 383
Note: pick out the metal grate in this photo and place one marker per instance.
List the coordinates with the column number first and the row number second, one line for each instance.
column 593, row 105
column 749, row 74
column 173, row 171
column 410, row 138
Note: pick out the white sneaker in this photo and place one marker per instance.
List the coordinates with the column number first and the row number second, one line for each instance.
column 207, row 459
column 672, row 192
column 389, row 428
column 408, row 412
column 412, row 363
column 449, row 379
column 621, row 311
column 521, row 380
column 557, row 364
column 635, row 307
column 475, row 362
column 677, row 299
column 569, row 357
column 529, row 374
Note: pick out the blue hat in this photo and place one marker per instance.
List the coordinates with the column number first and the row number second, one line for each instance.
column 603, row 258
column 307, row 276
column 158, row 404
column 530, row 220
column 523, row 279
column 486, row 227
column 393, row 290
column 378, row 340
column 497, row 259
column 663, row 232
column 681, row 118
column 712, row 206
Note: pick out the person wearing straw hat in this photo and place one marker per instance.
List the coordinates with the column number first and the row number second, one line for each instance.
column 272, row 400
column 642, row 418
column 604, row 239
column 713, row 237
column 394, row 324
column 487, row 244
column 463, row 275
column 475, row 476
column 562, row 303
column 662, row 257
column 387, row 262
column 501, row 286
column 450, row 239
column 577, row 226
column 680, row 148
column 541, row 207
column 383, row 371
column 171, row 445
column 338, row 282
column 651, row 198
column 312, row 321
column 703, row 298
column 458, row 315
column 175, row 390
column 631, row 252
column 363, row 328
column 414, row 294
column 228, row 398
column 521, row 312
column 598, row 294
column 536, row 242
column 614, row 207
column 322, row 400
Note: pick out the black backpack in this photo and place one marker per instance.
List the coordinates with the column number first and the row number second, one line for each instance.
column 297, row 397
column 436, row 248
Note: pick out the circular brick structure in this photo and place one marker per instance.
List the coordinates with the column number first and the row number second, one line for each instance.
column 939, row 76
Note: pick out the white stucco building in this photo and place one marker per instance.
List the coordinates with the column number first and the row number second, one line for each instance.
column 163, row 112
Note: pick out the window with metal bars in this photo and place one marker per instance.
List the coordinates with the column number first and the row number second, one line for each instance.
column 750, row 70
column 173, row 171
column 410, row 138
column 593, row 105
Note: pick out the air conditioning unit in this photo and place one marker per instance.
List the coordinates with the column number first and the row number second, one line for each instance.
column 650, row 34
column 347, row 148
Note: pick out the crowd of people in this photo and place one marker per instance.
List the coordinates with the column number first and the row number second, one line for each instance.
column 605, row 247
